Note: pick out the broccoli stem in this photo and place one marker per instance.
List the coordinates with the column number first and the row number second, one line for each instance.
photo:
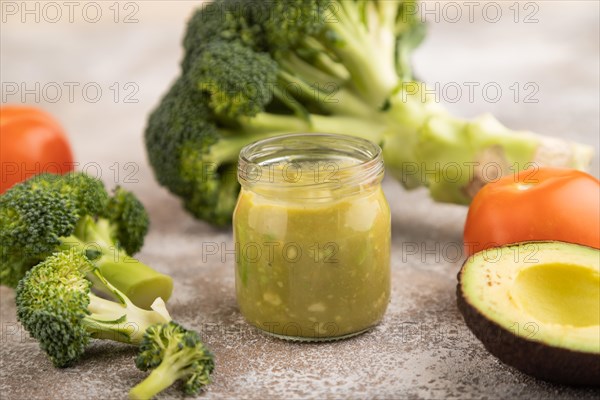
column 312, row 85
column 229, row 190
column 121, row 321
column 454, row 157
column 324, row 62
column 294, row 65
column 111, row 321
column 227, row 150
column 118, row 322
column 264, row 123
column 140, row 283
column 159, row 379
column 369, row 57
column 372, row 129
column 327, row 96
column 423, row 145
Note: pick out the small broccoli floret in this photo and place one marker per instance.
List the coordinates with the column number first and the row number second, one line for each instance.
column 212, row 73
column 173, row 353
column 225, row 20
column 33, row 217
column 87, row 193
column 128, row 220
column 56, row 306
column 14, row 265
column 48, row 213
column 52, row 302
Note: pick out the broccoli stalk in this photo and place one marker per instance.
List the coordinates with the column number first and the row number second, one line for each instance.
column 174, row 353
column 120, row 321
column 49, row 213
column 56, row 306
column 253, row 70
column 94, row 238
column 363, row 35
column 455, row 157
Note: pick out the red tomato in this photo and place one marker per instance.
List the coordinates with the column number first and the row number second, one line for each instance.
column 31, row 142
column 535, row 204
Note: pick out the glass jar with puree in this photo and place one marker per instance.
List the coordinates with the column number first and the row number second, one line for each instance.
column 312, row 232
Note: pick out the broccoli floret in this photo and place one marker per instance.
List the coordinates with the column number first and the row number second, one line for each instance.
column 33, row 218
column 255, row 69
column 173, row 353
column 56, row 306
column 127, row 219
column 210, row 73
column 48, row 213
column 223, row 21
column 88, row 194
column 185, row 145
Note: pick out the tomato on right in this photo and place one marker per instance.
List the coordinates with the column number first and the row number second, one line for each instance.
column 534, row 205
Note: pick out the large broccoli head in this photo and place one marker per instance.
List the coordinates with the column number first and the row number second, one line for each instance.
column 254, row 69
column 257, row 69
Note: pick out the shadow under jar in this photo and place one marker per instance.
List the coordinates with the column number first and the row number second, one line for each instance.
column 312, row 231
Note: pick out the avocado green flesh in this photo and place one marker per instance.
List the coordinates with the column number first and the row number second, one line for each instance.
column 548, row 292
column 313, row 271
column 561, row 294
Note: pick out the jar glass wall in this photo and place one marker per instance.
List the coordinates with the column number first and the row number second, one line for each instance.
column 312, row 232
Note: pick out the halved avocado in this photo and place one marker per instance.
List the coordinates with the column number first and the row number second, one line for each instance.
column 536, row 306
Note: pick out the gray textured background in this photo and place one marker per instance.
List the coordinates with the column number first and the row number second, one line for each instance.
column 422, row 349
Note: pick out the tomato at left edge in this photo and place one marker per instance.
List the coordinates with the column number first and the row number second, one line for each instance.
column 31, row 142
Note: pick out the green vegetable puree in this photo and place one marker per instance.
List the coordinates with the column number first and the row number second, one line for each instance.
column 313, row 270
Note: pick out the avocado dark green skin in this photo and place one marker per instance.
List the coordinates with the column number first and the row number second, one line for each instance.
column 540, row 360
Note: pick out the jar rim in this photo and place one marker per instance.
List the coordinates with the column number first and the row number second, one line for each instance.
column 355, row 161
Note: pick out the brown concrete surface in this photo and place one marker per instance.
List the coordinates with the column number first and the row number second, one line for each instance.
column 422, row 349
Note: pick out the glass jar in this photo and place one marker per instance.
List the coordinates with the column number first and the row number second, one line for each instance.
column 312, row 232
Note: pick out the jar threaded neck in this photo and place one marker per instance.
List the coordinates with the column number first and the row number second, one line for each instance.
column 310, row 166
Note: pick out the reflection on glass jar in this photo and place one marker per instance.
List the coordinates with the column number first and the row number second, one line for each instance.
column 312, row 232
